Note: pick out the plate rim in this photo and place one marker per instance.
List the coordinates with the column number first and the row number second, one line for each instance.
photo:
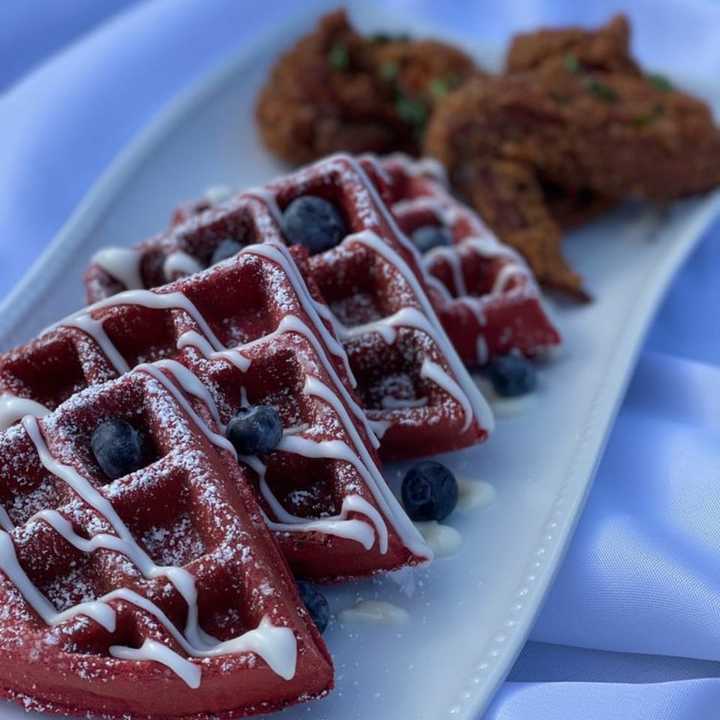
column 586, row 457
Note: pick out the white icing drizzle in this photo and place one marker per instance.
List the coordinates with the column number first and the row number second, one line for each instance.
column 124, row 542
column 440, row 288
column 218, row 193
column 338, row 450
column 421, row 203
column 276, row 645
column 191, row 384
column 393, row 403
column 5, row 522
column 164, row 380
column 122, row 263
column 157, row 652
column 385, row 498
column 474, row 494
column 179, row 264
column 100, row 612
column 195, row 339
column 387, row 326
column 267, row 197
column 211, row 347
column 13, row 408
column 504, row 407
column 144, row 298
column 465, row 385
column 443, row 539
column 380, row 427
column 376, row 612
column 432, row 371
column 505, row 274
column 488, row 246
column 481, row 241
column 338, row 525
column 90, row 326
column 476, row 305
column 280, row 255
column 451, row 257
column 411, row 317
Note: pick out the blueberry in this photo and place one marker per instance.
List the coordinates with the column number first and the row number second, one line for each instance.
column 227, row 248
column 512, row 375
column 313, row 222
column 431, row 236
column 429, row 491
column 316, row 604
column 118, row 447
column 254, row 430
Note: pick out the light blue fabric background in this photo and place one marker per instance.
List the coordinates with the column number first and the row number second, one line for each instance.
column 631, row 627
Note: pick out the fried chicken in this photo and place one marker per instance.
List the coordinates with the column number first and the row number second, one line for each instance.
column 582, row 129
column 570, row 129
column 606, row 49
column 337, row 90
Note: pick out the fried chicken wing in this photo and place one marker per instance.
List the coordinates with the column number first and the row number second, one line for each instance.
column 478, row 141
column 337, row 90
column 567, row 125
column 606, row 49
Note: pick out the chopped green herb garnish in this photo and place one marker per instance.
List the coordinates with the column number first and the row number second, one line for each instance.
column 649, row 117
column 389, row 70
column 338, row 57
column 411, row 111
column 439, row 88
column 660, row 82
column 601, row 90
column 572, row 64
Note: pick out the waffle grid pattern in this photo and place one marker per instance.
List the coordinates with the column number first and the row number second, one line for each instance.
column 130, row 579
column 325, row 469
column 376, row 276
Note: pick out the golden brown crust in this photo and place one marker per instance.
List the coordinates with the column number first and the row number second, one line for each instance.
column 337, row 90
column 570, row 129
column 607, row 48
column 610, row 134
column 572, row 209
column 467, row 135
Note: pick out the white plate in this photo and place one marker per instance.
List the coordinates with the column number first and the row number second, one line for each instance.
column 468, row 614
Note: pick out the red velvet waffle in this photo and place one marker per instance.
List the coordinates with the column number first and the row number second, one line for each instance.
column 487, row 298
column 159, row 594
column 321, row 489
column 410, row 380
column 482, row 290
